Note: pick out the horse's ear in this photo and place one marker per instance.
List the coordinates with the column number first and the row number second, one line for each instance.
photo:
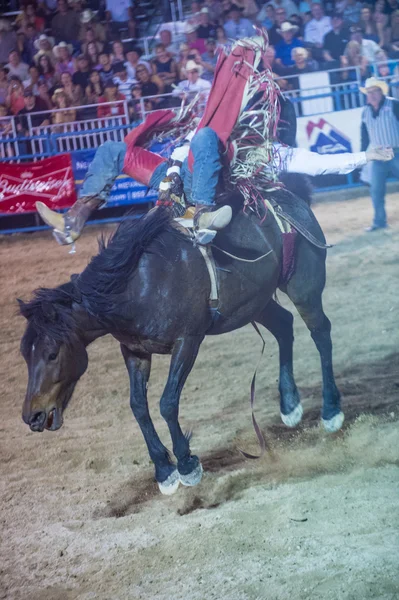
column 22, row 308
column 49, row 311
column 76, row 293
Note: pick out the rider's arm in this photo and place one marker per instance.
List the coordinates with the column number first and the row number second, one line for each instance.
column 300, row 160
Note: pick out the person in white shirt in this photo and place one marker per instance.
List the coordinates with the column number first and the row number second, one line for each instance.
column 370, row 49
column 289, row 6
column 123, row 81
column 194, row 83
column 317, row 27
column 16, row 67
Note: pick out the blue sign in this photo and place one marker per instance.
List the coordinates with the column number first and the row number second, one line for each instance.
column 325, row 138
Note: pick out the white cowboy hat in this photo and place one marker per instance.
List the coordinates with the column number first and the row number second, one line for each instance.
column 287, row 26
column 62, row 45
column 87, row 16
column 43, row 38
column 373, row 82
column 191, row 65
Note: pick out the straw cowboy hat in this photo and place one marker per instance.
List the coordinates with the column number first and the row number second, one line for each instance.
column 287, row 26
column 56, row 49
column 43, row 38
column 191, row 65
column 87, row 16
column 373, row 82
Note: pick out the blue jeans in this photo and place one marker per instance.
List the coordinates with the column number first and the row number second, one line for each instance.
column 199, row 186
column 379, row 174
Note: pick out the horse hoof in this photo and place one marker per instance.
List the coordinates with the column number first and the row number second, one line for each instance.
column 334, row 424
column 170, row 485
column 192, row 478
column 294, row 417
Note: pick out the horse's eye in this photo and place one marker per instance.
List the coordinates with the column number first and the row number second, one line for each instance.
column 52, row 356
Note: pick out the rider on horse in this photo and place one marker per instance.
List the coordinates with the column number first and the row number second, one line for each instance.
column 194, row 169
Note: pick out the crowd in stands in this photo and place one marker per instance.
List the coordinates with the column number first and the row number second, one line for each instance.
column 79, row 63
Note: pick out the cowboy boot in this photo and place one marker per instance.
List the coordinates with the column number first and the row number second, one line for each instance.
column 68, row 227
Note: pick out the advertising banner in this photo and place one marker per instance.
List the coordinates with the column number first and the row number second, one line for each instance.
column 50, row 180
column 331, row 133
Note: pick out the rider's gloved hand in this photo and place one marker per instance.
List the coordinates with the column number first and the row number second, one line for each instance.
column 383, row 154
column 171, row 193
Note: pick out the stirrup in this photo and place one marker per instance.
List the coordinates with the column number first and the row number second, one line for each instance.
column 204, row 236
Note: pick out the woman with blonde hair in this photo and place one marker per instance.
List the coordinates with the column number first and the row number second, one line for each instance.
column 67, row 115
column 353, row 58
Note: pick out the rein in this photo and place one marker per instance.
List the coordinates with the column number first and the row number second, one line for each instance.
column 246, row 260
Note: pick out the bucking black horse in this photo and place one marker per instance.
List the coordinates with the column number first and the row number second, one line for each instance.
column 149, row 287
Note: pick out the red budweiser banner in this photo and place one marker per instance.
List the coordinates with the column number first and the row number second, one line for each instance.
column 50, row 180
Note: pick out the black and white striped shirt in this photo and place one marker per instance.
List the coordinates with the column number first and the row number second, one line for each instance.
column 381, row 127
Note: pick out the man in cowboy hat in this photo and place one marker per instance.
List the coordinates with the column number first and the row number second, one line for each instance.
column 380, row 128
column 287, row 44
column 194, row 83
column 88, row 20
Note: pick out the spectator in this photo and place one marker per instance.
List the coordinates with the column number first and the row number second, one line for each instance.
column 5, row 126
column 380, row 128
column 73, row 91
column 195, row 17
column 3, row 84
column 184, row 51
column 303, row 63
column 391, row 6
column 369, row 49
column 81, row 75
column 383, row 29
column 151, row 85
column 281, row 17
column 317, row 28
column 289, row 6
column 123, row 81
column 118, row 15
column 118, row 53
column 134, row 59
column 215, row 10
column 94, row 89
column 21, row 47
column 164, row 66
column 66, row 24
column 352, row 11
column 15, row 96
column 394, row 46
column 335, row 40
column 166, row 39
column 8, row 40
column 33, row 82
column 93, row 55
column 236, row 26
column 249, row 8
column 30, row 38
column 205, row 29
column 63, row 56
column 46, row 70
column 221, row 38
column 277, row 70
column 353, row 58
column 90, row 36
column 43, row 94
column 31, row 105
column 368, row 25
column 209, row 60
column 111, row 94
column 267, row 16
column 88, row 21
column 288, row 43
column 43, row 45
column 16, row 67
column 66, row 115
column 27, row 17
column 106, row 71
column 193, row 40
column 194, row 84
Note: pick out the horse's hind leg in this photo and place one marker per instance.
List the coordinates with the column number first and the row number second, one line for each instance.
column 184, row 353
column 139, row 372
column 305, row 290
column 279, row 322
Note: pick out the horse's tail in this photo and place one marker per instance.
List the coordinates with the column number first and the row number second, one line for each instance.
column 299, row 185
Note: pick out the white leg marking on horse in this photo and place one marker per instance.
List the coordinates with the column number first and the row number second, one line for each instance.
column 335, row 423
column 192, row 478
column 170, row 485
column 294, row 417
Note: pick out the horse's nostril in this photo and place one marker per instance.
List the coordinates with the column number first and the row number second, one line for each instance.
column 37, row 420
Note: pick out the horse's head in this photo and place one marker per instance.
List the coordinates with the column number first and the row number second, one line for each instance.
column 55, row 355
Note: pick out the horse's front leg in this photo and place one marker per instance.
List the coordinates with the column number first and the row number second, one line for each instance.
column 139, row 367
column 184, row 353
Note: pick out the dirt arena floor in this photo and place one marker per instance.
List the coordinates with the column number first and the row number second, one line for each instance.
column 317, row 518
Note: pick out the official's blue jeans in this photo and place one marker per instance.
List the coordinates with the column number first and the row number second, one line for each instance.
column 379, row 174
column 199, row 186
